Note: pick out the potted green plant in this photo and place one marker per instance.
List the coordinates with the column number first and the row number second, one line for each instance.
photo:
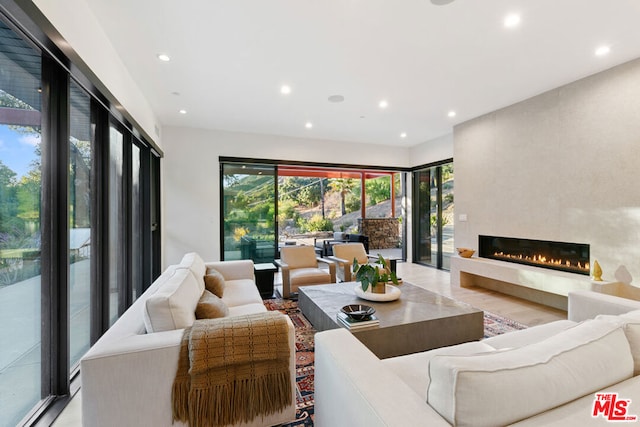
column 375, row 275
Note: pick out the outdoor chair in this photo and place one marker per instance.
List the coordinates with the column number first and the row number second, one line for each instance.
column 343, row 255
column 299, row 267
column 326, row 245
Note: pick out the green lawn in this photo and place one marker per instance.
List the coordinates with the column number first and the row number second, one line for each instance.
column 16, row 253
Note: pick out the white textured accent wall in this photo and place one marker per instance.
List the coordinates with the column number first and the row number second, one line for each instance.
column 561, row 166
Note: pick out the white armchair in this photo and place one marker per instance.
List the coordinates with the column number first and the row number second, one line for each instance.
column 343, row 255
column 299, row 267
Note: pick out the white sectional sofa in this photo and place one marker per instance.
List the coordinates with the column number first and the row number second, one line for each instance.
column 585, row 305
column 128, row 374
column 541, row 376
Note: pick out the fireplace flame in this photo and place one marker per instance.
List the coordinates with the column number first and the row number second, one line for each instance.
column 543, row 260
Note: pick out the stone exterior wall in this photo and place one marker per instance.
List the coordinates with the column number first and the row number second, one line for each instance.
column 384, row 233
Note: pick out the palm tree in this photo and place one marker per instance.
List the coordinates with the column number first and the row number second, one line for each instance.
column 344, row 187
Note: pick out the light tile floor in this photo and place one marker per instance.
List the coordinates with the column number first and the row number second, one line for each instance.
column 434, row 280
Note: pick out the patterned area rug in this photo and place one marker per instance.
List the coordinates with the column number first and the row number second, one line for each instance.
column 304, row 359
column 493, row 325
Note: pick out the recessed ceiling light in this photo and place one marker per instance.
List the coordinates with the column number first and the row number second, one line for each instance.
column 285, row 90
column 383, row 104
column 603, row 50
column 336, row 98
column 451, row 113
column 512, row 20
column 164, row 57
column 441, row 2
column 308, row 125
column 182, row 111
column 403, row 135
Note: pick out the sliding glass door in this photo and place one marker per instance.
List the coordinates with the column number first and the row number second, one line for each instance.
column 20, row 226
column 117, row 242
column 249, row 212
column 80, row 222
column 136, row 228
column 433, row 215
column 447, row 214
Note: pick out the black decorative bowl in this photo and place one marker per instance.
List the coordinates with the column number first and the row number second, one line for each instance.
column 358, row 311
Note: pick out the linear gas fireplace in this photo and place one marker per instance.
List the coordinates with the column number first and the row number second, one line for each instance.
column 563, row 256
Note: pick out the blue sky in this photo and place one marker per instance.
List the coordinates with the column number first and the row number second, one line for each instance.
column 17, row 150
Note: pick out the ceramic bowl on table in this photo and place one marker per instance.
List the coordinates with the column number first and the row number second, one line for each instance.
column 358, row 311
column 465, row 252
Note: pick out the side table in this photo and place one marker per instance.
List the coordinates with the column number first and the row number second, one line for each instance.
column 393, row 263
column 264, row 278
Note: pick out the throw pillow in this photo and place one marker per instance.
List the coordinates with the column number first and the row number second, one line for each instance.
column 173, row 305
column 214, row 282
column 211, row 307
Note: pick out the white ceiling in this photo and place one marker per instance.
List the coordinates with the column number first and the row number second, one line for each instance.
column 230, row 57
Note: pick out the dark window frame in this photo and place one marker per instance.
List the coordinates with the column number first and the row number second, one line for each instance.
column 415, row 214
column 59, row 380
column 272, row 162
column 55, row 235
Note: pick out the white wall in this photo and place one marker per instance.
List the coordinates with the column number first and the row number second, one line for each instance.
column 191, row 177
column 84, row 37
column 432, row 151
column 561, row 166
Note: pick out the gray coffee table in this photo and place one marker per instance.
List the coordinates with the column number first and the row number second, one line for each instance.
column 420, row 320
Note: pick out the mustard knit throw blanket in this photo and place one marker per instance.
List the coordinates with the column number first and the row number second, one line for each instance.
column 232, row 369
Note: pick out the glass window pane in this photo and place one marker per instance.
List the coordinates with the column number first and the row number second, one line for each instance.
column 433, row 188
column 80, row 195
column 424, row 229
column 249, row 212
column 116, row 221
column 20, row 185
column 433, row 216
column 154, row 178
column 136, row 224
column 347, row 190
column 378, row 194
column 447, row 215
